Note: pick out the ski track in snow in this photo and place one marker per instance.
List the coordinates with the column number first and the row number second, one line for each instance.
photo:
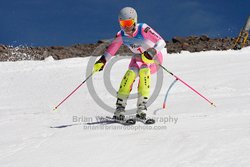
column 33, row 134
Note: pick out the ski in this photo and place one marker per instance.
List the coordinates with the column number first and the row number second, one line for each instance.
column 147, row 121
column 129, row 121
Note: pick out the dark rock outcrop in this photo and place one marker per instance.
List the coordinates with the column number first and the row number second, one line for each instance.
column 176, row 45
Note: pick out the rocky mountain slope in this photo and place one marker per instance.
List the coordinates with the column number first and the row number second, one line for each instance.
column 176, row 45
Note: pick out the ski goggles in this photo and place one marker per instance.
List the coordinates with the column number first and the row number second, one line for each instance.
column 127, row 23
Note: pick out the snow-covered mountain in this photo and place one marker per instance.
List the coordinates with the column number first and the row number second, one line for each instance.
column 188, row 133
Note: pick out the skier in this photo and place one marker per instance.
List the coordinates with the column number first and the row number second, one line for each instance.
column 148, row 47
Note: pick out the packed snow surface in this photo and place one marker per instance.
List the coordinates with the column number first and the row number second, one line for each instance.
column 188, row 133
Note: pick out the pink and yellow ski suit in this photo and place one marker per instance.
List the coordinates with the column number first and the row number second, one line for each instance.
column 143, row 38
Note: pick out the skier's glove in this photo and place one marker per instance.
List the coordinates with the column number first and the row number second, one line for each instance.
column 148, row 55
column 99, row 65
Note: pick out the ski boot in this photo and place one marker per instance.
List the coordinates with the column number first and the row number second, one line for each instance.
column 119, row 113
column 142, row 117
column 141, row 111
column 141, row 108
column 120, row 109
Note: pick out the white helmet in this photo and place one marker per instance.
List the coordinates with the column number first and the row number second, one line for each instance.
column 128, row 13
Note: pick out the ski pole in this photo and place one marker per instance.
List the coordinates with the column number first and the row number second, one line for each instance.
column 177, row 78
column 73, row 91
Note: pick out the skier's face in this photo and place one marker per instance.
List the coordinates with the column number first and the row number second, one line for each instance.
column 128, row 25
column 129, row 30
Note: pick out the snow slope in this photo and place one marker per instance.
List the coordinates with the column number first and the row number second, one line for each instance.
column 194, row 133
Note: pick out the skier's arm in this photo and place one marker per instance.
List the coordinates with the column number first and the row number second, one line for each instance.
column 111, row 51
column 114, row 46
column 154, row 37
column 160, row 45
